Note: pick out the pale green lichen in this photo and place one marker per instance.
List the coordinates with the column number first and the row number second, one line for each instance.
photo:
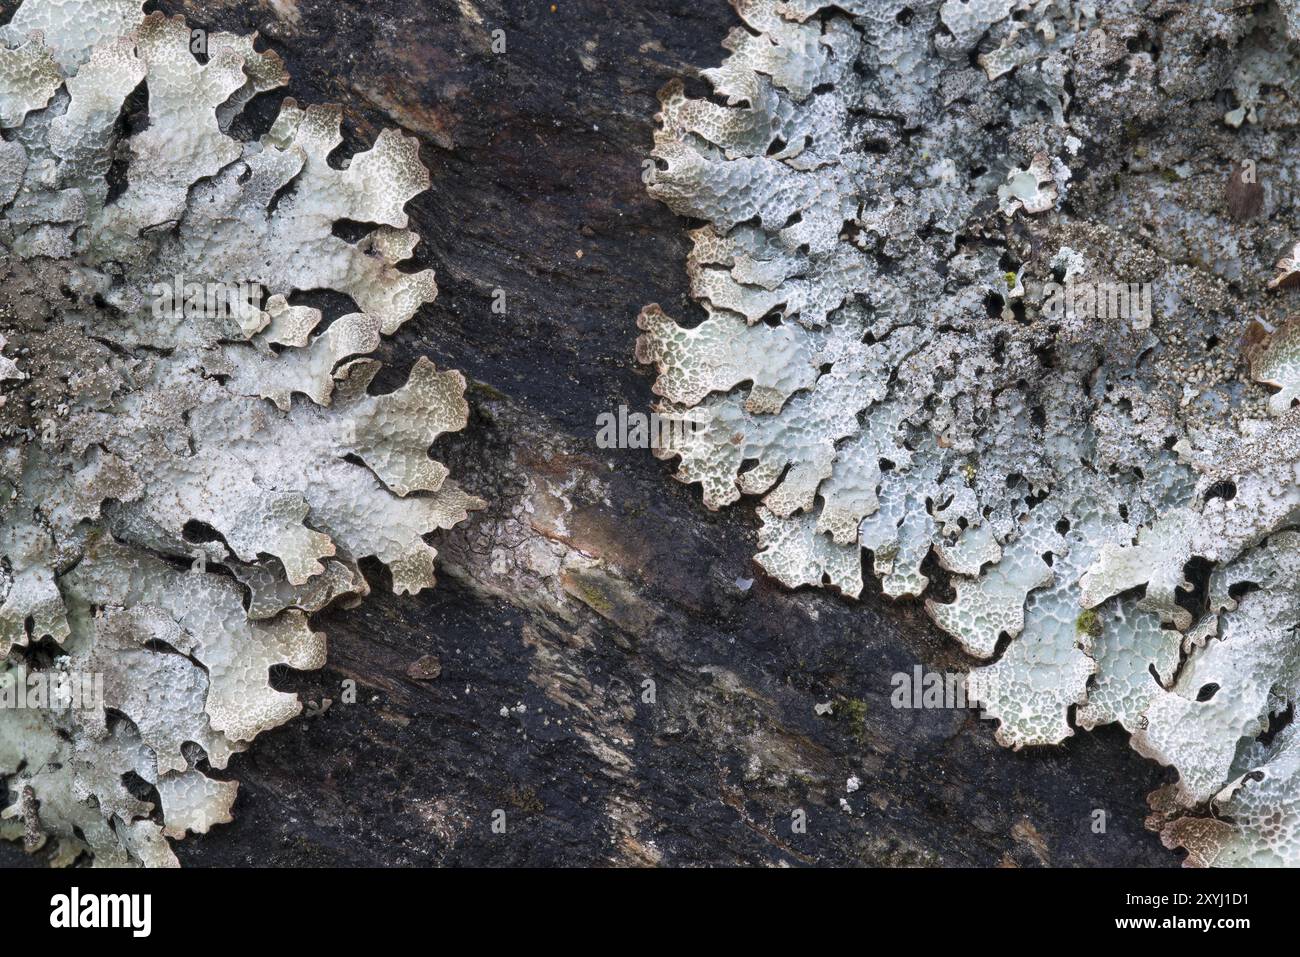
column 183, row 486
column 885, row 359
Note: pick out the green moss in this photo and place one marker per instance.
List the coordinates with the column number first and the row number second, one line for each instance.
column 1088, row 623
column 594, row 597
column 854, row 712
column 485, row 390
column 525, row 798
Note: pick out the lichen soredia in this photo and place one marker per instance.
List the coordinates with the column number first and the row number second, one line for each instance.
column 986, row 295
column 184, row 482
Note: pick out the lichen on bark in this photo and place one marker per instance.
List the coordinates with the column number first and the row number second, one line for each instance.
column 192, row 462
column 987, row 295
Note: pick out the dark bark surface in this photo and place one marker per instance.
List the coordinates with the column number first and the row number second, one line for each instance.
column 536, row 708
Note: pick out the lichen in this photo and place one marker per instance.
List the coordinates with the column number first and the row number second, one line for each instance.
column 934, row 328
column 186, row 476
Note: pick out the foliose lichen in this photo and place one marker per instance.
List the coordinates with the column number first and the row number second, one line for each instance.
column 986, row 295
column 191, row 460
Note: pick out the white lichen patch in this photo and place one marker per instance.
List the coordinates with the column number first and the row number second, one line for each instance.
column 192, row 461
column 1001, row 325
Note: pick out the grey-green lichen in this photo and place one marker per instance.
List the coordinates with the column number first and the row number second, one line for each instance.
column 185, row 477
column 977, row 288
